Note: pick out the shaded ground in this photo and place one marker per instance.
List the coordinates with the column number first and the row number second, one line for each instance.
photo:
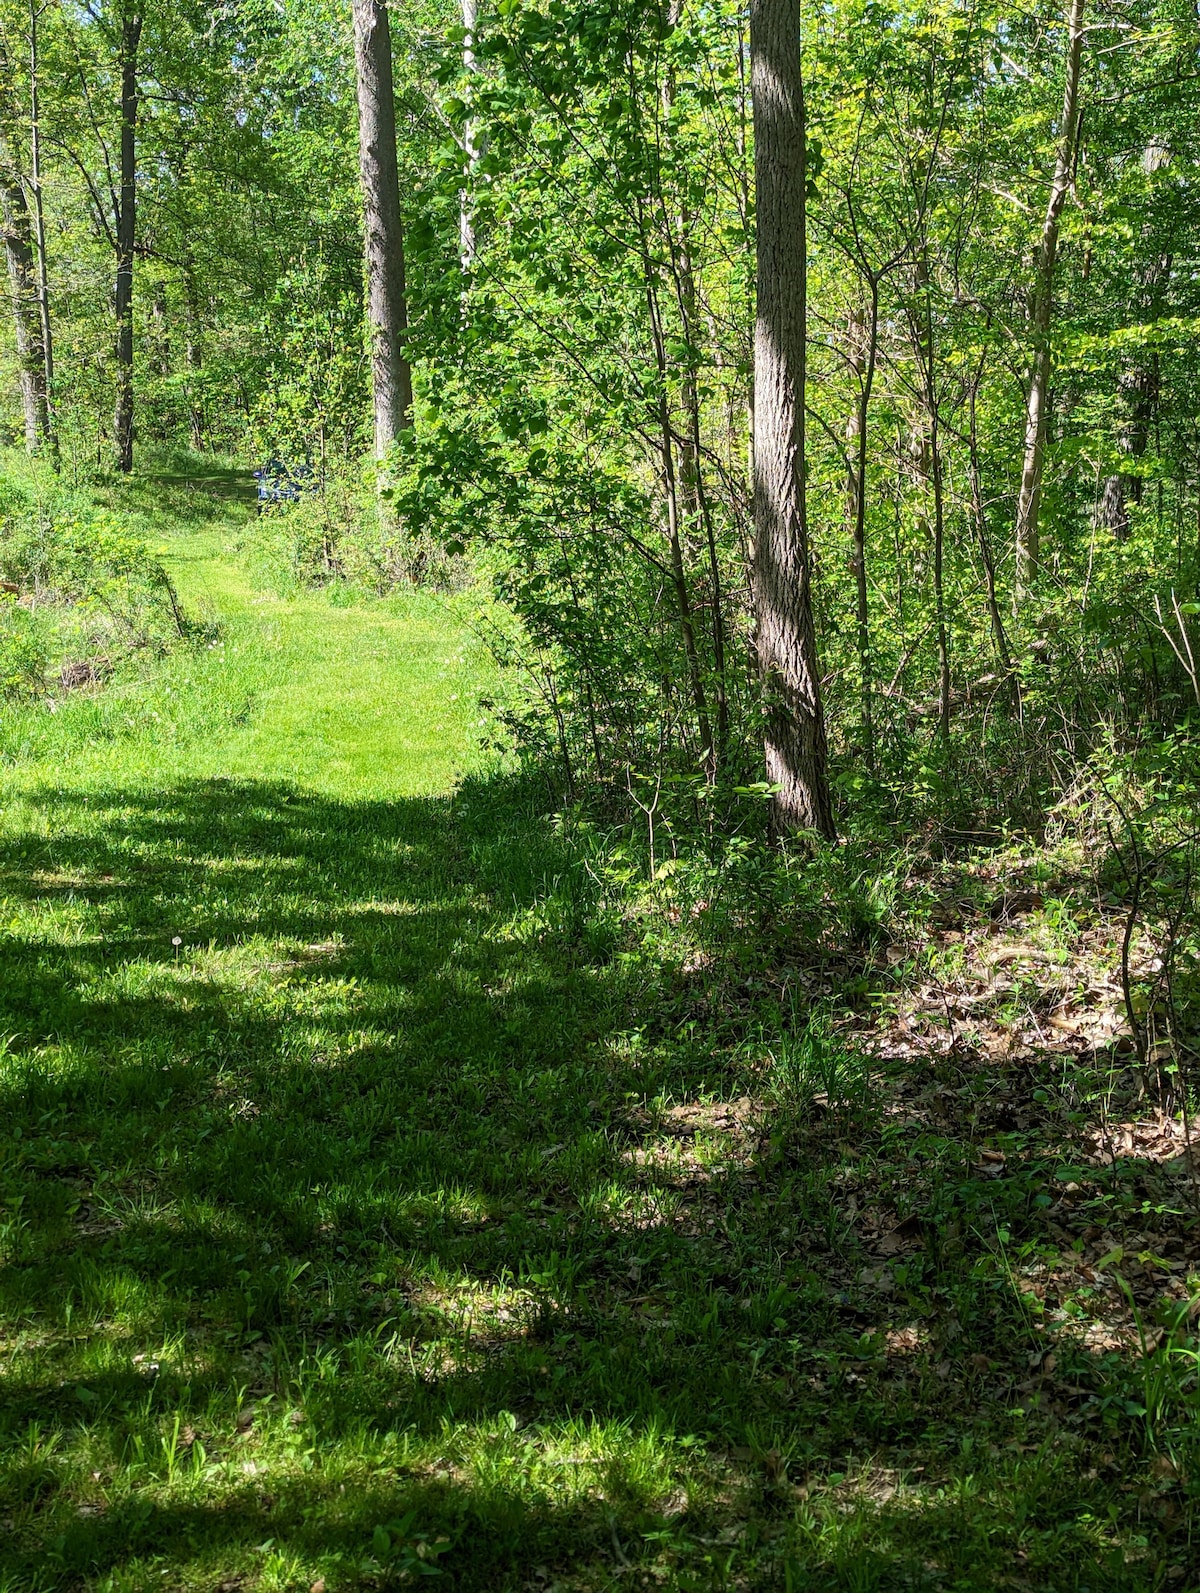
column 377, row 1202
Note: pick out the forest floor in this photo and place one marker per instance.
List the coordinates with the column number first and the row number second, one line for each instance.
column 378, row 1202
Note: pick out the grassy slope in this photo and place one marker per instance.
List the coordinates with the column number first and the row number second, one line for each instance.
column 341, row 1240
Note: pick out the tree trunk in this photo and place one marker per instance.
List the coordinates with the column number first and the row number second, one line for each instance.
column 856, row 434
column 1137, row 389
column 131, row 35
column 693, row 492
column 1028, row 549
column 939, row 561
column 194, row 359
column 39, row 219
column 387, row 302
column 975, row 472
column 31, row 356
column 795, row 747
column 25, row 250
column 466, row 216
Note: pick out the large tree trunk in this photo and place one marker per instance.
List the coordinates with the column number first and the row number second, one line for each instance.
column 131, row 35
column 387, row 303
column 1029, row 502
column 31, row 356
column 785, row 640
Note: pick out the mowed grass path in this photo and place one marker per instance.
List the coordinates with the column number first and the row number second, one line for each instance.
column 336, row 1242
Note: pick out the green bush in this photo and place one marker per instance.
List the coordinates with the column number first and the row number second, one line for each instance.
column 24, row 650
column 99, row 592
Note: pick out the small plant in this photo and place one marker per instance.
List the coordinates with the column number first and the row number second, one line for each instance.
column 397, row 1550
column 811, row 1066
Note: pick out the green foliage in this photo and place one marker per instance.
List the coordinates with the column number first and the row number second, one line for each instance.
column 99, row 593
column 24, row 650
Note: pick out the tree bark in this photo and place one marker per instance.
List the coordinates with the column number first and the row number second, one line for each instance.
column 22, row 277
column 795, row 743
column 131, row 35
column 1028, row 549
column 387, row 301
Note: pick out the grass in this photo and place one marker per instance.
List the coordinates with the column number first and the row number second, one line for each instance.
column 379, row 1201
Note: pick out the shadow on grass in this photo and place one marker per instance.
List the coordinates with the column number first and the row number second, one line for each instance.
column 332, row 1199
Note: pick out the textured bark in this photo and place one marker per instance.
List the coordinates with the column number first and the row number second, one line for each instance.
column 1041, row 308
column 39, row 219
column 131, row 36
column 22, row 278
column 387, row 301
column 795, row 745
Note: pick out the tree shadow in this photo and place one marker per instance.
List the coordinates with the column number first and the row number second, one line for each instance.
column 344, row 1112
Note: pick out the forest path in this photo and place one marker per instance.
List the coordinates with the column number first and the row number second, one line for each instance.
column 363, row 699
column 296, row 1062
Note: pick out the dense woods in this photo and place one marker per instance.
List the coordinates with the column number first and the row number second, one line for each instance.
column 608, row 979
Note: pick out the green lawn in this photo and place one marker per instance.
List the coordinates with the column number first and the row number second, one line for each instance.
column 353, row 1229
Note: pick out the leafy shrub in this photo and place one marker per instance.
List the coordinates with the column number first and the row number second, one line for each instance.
column 99, row 592
column 24, row 650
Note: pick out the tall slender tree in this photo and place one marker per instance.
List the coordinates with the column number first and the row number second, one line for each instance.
column 387, row 300
column 1041, row 309
column 126, row 230
column 470, row 142
column 795, row 743
column 24, row 247
column 31, row 369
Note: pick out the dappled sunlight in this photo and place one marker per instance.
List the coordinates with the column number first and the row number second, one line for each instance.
column 368, row 1167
